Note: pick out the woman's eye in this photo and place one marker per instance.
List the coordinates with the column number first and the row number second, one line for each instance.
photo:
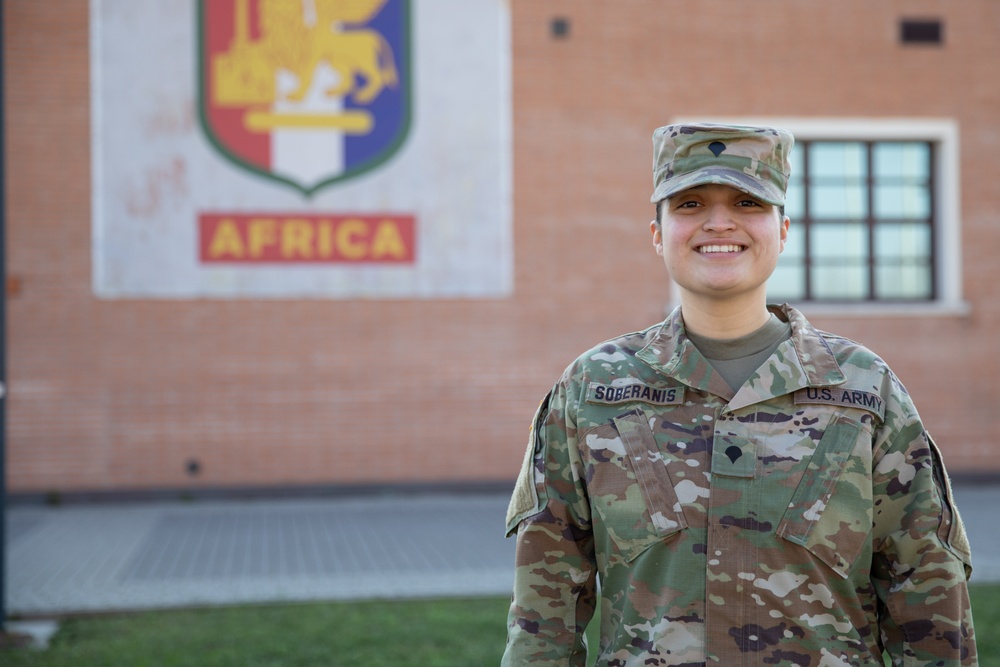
column 749, row 202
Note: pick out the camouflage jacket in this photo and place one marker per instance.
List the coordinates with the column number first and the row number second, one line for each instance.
column 805, row 520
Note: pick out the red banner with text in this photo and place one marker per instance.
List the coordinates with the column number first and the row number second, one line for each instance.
column 297, row 238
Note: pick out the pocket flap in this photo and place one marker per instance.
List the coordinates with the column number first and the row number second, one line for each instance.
column 834, row 525
column 651, row 473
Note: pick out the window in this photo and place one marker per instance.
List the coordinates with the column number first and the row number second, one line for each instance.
column 874, row 205
column 864, row 222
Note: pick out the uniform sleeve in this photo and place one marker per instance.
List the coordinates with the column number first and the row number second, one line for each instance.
column 921, row 554
column 554, row 579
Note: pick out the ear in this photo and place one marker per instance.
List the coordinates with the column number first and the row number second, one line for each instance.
column 784, row 233
column 657, row 237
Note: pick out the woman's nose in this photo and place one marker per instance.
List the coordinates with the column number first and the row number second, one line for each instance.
column 719, row 217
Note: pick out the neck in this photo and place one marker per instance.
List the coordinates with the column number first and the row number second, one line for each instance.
column 725, row 320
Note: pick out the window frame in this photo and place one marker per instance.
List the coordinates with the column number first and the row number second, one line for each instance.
column 946, row 232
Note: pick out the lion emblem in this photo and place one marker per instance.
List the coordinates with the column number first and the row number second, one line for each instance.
column 297, row 38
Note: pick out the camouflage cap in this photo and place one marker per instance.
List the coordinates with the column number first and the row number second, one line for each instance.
column 751, row 159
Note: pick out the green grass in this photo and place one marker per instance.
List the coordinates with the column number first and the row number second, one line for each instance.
column 438, row 633
column 986, row 615
column 425, row 633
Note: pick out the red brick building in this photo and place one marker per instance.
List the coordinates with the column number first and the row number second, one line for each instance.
column 895, row 106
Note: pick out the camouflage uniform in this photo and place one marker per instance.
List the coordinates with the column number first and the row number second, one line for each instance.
column 804, row 520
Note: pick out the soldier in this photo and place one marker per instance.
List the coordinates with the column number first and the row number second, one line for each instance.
column 746, row 489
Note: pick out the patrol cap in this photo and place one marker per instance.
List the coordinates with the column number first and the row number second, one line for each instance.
column 751, row 159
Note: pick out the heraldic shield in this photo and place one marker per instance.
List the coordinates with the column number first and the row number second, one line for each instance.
column 308, row 92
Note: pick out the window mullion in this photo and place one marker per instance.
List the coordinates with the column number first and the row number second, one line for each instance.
column 807, row 222
column 933, row 222
column 870, row 216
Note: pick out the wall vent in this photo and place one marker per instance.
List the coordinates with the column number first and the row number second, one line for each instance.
column 560, row 27
column 921, row 31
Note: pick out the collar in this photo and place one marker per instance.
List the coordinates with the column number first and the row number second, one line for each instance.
column 805, row 360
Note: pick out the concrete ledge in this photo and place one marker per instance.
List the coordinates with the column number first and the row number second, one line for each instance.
column 277, row 492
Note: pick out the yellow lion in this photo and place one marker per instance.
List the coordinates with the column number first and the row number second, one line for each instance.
column 298, row 37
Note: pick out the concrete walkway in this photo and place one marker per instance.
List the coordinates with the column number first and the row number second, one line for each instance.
column 111, row 557
column 89, row 558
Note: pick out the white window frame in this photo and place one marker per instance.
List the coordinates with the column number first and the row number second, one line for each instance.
column 944, row 134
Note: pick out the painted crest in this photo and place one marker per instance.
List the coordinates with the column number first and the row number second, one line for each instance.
column 308, row 92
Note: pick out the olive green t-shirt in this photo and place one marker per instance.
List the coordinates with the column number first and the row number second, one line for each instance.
column 736, row 359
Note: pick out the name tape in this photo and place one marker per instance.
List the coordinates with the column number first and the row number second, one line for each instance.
column 636, row 392
column 835, row 396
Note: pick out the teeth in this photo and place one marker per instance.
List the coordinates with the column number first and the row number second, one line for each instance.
column 720, row 248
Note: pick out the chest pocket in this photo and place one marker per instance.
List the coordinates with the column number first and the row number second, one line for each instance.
column 830, row 513
column 629, row 485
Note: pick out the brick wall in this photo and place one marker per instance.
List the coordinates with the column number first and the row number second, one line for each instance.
column 114, row 395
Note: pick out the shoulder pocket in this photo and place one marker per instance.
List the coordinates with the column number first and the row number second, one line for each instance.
column 529, row 498
column 830, row 513
column 630, row 486
column 951, row 531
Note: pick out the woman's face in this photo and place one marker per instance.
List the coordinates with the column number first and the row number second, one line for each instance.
column 719, row 243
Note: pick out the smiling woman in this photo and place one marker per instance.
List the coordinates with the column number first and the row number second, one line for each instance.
column 765, row 504
column 720, row 245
